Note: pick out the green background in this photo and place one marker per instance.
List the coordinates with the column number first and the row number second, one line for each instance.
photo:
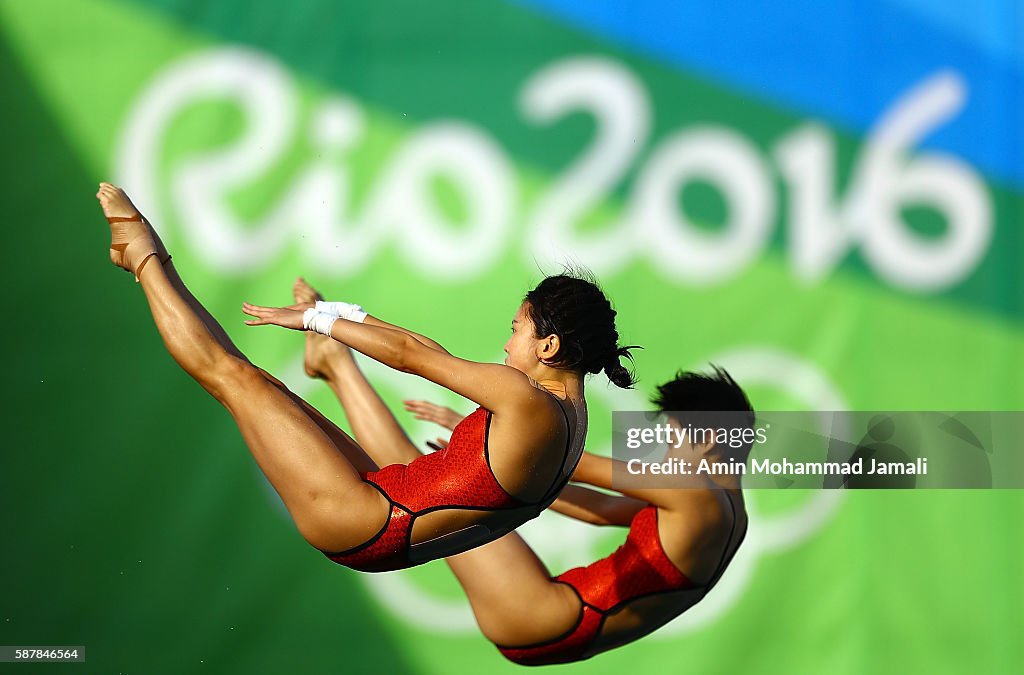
column 134, row 521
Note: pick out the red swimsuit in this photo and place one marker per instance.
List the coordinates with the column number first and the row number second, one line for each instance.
column 637, row 569
column 457, row 477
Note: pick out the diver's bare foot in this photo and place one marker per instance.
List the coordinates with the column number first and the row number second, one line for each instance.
column 303, row 292
column 131, row 242
column 320, row 349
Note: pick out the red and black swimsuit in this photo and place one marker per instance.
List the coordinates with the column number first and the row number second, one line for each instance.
column 637, row 569
column 457, row 477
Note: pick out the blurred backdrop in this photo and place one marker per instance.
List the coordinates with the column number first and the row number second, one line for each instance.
column 825, row 198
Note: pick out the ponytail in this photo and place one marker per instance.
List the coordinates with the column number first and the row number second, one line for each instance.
column 619, row 375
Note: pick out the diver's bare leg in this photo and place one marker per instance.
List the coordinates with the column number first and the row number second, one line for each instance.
column 375, row 428
column 512, row 595
column 330, row 504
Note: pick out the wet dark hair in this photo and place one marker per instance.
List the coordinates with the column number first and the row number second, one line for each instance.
column 706, row 400
column 573, row 307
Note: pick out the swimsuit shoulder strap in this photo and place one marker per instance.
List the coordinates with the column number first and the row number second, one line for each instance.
column 727, row 556
column 571, row 457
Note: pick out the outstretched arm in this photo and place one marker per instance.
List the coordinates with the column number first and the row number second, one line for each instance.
column 431, row 412
column 595, row 507
column 422, row 339
column 598, row 471
column 498, row 388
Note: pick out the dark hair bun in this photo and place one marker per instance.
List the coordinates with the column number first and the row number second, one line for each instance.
column 574, row 308
column 619, row 376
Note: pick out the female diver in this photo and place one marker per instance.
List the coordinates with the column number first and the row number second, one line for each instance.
column 679, row 543
column 505, row 463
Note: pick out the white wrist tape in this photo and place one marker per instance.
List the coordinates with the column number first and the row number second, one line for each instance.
column 344, row 310
column 318, row 322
